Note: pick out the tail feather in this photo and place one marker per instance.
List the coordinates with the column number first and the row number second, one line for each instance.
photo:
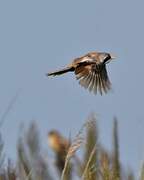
column 59, row 72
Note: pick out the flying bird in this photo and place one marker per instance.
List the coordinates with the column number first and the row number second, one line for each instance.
column 90, row 70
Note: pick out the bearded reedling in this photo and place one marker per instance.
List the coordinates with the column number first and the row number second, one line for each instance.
column 60, row 146
column 90, row 70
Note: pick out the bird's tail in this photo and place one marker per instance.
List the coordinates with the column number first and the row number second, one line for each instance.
column 59, row 72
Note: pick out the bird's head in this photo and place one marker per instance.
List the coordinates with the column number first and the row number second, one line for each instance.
column 53, row 139
column 106, row 57
column 57, row 142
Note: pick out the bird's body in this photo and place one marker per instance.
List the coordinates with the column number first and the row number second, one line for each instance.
column 60, row 146
column 90, row 70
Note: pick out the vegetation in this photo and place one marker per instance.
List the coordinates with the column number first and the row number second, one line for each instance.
column 94, row 163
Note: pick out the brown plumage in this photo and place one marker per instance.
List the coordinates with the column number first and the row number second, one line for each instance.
column 60, row 146
column 90, row 70
column 57, row 142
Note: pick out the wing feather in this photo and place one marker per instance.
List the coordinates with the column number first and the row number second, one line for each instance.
column 94, row 78
column 91, row 85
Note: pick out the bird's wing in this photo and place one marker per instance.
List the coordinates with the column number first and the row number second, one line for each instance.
column 84, row 60
column 93, row 77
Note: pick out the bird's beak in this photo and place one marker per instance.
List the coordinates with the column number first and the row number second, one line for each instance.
column 113, row 56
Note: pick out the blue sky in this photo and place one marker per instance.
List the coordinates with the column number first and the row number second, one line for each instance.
column 40, row 36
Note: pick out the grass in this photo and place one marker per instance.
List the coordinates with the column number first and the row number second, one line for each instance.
column 97, row 163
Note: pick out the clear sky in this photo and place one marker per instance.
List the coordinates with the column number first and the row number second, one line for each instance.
column 40, row 36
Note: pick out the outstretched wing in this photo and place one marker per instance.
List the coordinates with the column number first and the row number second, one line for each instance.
column 93, row 77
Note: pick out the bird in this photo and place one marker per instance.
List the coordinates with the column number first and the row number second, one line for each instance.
column 57, row 142
column 60, row 146
column 90, row 70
